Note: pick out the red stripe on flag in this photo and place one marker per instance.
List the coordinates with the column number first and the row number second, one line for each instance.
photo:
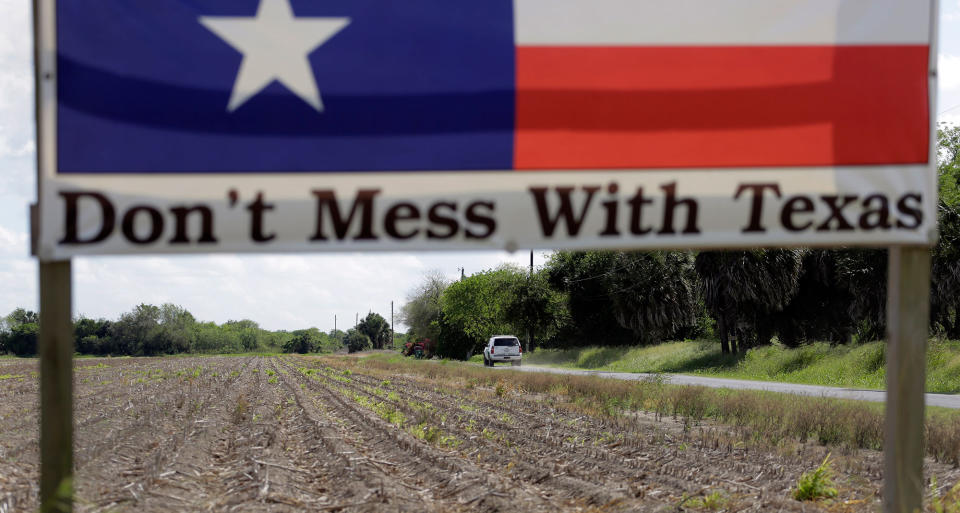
column 642, row 107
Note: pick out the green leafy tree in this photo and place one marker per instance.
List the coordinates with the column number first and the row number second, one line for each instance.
column 22, row 316
column 328, row 344
column 337, row 336
column 4, row 335
column 211, row 338
column 422, row 309
column 376, row 328
column 138, row 332
column 948, row 163
column 18, row 332
column 476, row 307
column 176, row 330
column 357, row 341
column 247, row 332
column 582, row 276
column 22, row 340
column 454, row 343
column 275, row 340
column 400, row 340
column 92, row 336
column 945, row 272
column 533, row 307
column 304, row 341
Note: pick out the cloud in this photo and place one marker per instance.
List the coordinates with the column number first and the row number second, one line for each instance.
column 950, row 118
column 18, row 272
column 21, row 149
column 16, row 101
column 278, row 291
column 16, row 69
column 948, row 72
column 950, row 12
column 12, row 243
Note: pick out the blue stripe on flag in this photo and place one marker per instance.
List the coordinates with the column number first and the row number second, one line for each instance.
column 413, row 85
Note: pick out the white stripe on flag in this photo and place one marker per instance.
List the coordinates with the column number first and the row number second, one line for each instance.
column 721, row 22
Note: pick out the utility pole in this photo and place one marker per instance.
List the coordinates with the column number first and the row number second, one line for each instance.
column 334, row 324
column 529, row 322
column 391, row 325
column 462, row 270
column 356, row 320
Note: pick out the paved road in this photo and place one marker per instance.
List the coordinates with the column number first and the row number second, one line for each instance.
column 943, row 400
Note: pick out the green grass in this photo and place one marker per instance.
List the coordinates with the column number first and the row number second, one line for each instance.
column 853, row 365
column 816, row 484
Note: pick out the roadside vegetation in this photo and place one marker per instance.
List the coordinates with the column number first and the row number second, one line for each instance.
column 759, row 417
column 821, row 363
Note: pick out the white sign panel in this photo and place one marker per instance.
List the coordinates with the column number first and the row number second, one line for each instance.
column 289, row 125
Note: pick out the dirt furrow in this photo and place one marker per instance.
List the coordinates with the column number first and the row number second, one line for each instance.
column 291, row 433
column 142, row 450
column 127, row 432
column 553, row 463
column 571, row 440
column 92, row 401
column 646, row 457
column 473, row 486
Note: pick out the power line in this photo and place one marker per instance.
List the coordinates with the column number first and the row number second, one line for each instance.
column 948, row 109
column 601, row 275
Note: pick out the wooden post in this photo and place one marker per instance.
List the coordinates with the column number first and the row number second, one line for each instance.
column 56, row 388
column 55, row 340
column 908, row 319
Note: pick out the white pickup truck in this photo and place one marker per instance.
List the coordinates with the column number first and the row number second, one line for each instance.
column 502, row 348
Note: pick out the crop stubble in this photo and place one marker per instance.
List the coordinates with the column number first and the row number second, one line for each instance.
column 305, row 434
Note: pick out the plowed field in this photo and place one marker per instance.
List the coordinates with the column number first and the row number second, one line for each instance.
column 312, row 434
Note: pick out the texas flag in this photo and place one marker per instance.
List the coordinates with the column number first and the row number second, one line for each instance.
column 253, row 86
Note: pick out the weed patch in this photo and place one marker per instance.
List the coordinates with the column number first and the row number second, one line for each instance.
column 240, row 410
column 816, row 484
column 946, row 503
column 713, row 501
column 765, row 417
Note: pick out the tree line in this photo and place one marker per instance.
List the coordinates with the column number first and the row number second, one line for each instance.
column 743, row 299
column 149, row 330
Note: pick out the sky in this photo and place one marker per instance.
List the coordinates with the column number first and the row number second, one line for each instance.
column 277, row 291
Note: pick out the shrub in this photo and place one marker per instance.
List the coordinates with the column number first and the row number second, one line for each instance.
column 357, row 341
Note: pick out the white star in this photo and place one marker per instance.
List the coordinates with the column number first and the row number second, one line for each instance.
column 275, row 45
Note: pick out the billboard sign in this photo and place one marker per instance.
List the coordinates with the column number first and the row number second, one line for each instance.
column 293, row 125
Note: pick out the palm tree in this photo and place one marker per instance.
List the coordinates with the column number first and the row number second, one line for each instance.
column 821, row 309
column 653, row 293
column 743, row 288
